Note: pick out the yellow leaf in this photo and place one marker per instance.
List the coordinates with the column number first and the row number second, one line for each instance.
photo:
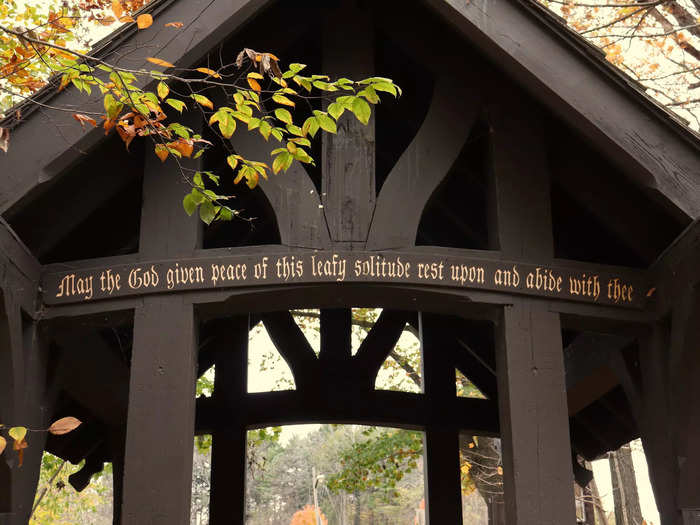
column 255, row 75
column 144, row 21
column 163, row 90
column 209, row 72
column 281, row 99
column 159, row 62
column 203, row 101
column 117, row 8
column 254, row 85
column 17, row 433
column 64, row 425
column 3, row 444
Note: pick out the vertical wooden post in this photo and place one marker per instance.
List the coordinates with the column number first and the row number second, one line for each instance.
column 157, row 481
column 228, row 464
column 538, row 475
column 28, row 404
column 348, row 158
column 441, row 442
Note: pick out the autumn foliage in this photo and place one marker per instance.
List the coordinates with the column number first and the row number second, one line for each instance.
column 307, row 516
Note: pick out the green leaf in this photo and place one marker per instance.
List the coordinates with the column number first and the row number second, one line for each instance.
column 324, row 86
column 189, row 204
column 303, row 82
column 179, row 130
column 310, row 126
column 112, row 106
column 370, row 94
column 179, row 105
column 232, row 161
column 277, row 133
column 335, row 110
column 386, row 87
column 227, row 125
column 361, row 110
column 197, row 180
column 163, row 90
column 253, row 123
column 283, row 115
column 207, row 212
column 282, row 162
column 295, row 130
column 326, row 123
column 265, row 129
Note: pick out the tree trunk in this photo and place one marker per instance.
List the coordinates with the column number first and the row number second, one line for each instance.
column 624, row 485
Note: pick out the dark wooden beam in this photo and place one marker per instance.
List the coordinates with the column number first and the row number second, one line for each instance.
column 292, row 346
column 25, row 400
column 380, row 408
column 160, row 426
column 292, row 195
column 538, row 475
column 378, row 343
column 424, row 164
column 228, row 465
column 443, row 475
column 348, row 157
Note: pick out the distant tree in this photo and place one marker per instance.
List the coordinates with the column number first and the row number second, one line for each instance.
column 656, row 42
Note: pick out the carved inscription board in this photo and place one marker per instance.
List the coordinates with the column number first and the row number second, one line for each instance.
column 595, row 285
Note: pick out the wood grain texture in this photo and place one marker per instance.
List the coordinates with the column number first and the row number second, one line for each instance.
column 538, row 476
column 160, row 421
column 348, row 157
column 424, row 164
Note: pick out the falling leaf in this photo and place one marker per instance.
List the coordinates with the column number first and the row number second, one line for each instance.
column 176, row 25
column 144, row 21
column 64, row 425
column 209, row 72
column 117, row 8
column 651, row 292
column 159, row 62
column 3, row 444
column 4, row 139
column 83, row 119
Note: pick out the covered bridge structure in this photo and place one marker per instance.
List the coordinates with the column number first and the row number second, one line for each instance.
column 524, row 205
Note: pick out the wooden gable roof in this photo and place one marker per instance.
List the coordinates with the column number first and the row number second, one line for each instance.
column 556, row 66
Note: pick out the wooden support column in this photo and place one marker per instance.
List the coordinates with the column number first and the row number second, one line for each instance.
column 24, row 392
column 348, row 158
column 537, row 470
column 157, row 481
column 441, row 442
column 228, row 465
